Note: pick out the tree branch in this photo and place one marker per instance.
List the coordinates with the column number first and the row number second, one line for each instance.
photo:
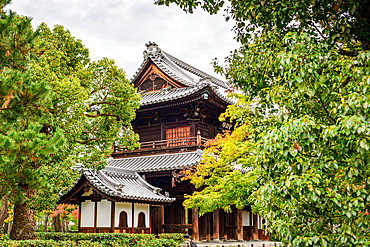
column 101, row 115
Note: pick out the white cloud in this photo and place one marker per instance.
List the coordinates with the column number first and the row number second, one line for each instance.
column 118, row 29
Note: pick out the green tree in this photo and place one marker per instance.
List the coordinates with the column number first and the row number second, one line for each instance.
column 58, row 108
column 304, row 68
column 95, row 102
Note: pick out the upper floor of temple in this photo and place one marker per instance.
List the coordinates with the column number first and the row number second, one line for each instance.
column 180, row 105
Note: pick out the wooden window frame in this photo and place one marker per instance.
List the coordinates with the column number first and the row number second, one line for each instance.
column 178, row 133
column 121, row 220
column 141, row 222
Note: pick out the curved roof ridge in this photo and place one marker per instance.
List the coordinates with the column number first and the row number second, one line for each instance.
column 105, row 184
column 177, row 93
column 158, row 162
column 108, row 179
column 145, row 183
column 175, row 68
column 196, row 71
column 167, row 59
column 154, row 155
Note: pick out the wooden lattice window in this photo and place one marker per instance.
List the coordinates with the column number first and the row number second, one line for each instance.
column 122, row 219
column 153, row 85
column 178, row 133
column 141, row 222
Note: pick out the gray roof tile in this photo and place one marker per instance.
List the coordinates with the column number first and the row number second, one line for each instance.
column 121, row 183
column 175, row 68
column 154, row 163
column 166, row 94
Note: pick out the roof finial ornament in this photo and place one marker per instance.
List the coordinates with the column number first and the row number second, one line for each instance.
column 153, row 50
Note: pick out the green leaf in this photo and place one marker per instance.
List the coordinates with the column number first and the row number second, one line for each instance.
column 293, row 151
column 364, row 145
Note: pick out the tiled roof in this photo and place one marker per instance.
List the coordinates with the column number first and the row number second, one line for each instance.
column 175, row 68
column 154, row 163
column 167, row 94
column 121, row 183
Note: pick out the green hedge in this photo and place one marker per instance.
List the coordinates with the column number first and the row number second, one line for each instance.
column 38, row 243
column 87, row 243
column 94, row 237
column 50, row 239
column 175, row 236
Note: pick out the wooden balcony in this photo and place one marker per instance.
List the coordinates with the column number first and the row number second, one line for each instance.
column 162, row 146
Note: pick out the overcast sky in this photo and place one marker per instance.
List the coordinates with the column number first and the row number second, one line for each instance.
column 119, row 29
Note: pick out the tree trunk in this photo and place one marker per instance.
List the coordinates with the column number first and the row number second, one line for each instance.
column 24, row 223
column 6, row 228
column 62, row 222
column 46, row 222
column 3, row 210
column 67, row 225
column 56, row 224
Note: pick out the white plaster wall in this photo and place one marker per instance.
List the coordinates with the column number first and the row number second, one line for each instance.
column 87, row 214
column 104, row 214
column 123, row 206
column 246, row 220
column 145, row 208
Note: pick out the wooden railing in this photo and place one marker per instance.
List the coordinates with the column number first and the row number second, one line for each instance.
column 163, row 144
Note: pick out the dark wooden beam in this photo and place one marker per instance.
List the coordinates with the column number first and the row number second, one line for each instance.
column 150, row 219
column 95, row 215
column 195, row 223
column 74, row 192
column 79, row 217
column 173, row 226
column 255, row 227
column 162, row 218
column 239, row 224
column 133, row 218
column 112, row 215
column 216, row 224
column 208, row 226
column 223, row 225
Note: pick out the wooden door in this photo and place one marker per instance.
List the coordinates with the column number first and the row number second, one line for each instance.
column 156, row 218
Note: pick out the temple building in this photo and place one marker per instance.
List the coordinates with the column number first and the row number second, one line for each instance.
column 140, row 190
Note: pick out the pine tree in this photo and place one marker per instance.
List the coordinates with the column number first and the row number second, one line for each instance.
column 28, row 136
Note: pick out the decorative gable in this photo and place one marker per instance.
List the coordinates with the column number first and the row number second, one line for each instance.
column 161, row 66
column 154, row 79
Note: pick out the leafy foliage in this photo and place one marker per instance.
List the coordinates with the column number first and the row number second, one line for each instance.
column 304, row 68
column 113, row 239
column 220, row 176
column 57, row 108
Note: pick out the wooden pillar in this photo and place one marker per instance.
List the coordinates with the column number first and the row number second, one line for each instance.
column 255, row 227
column 199, row 138
column 195, row 222
column 182, row 220
column 239, row 224
column 95, row 215
column 251, row 224
column 133, row 218
column 162, row 219
column 223, row 231
column 112, row 216
column 208, row 221
column 150, row 219
column 216, row 224
column 79, row 217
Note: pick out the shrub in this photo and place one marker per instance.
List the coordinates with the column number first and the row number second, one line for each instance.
column 37, row 243
column 162, row 242
column 58, row 239
column 175, row 236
